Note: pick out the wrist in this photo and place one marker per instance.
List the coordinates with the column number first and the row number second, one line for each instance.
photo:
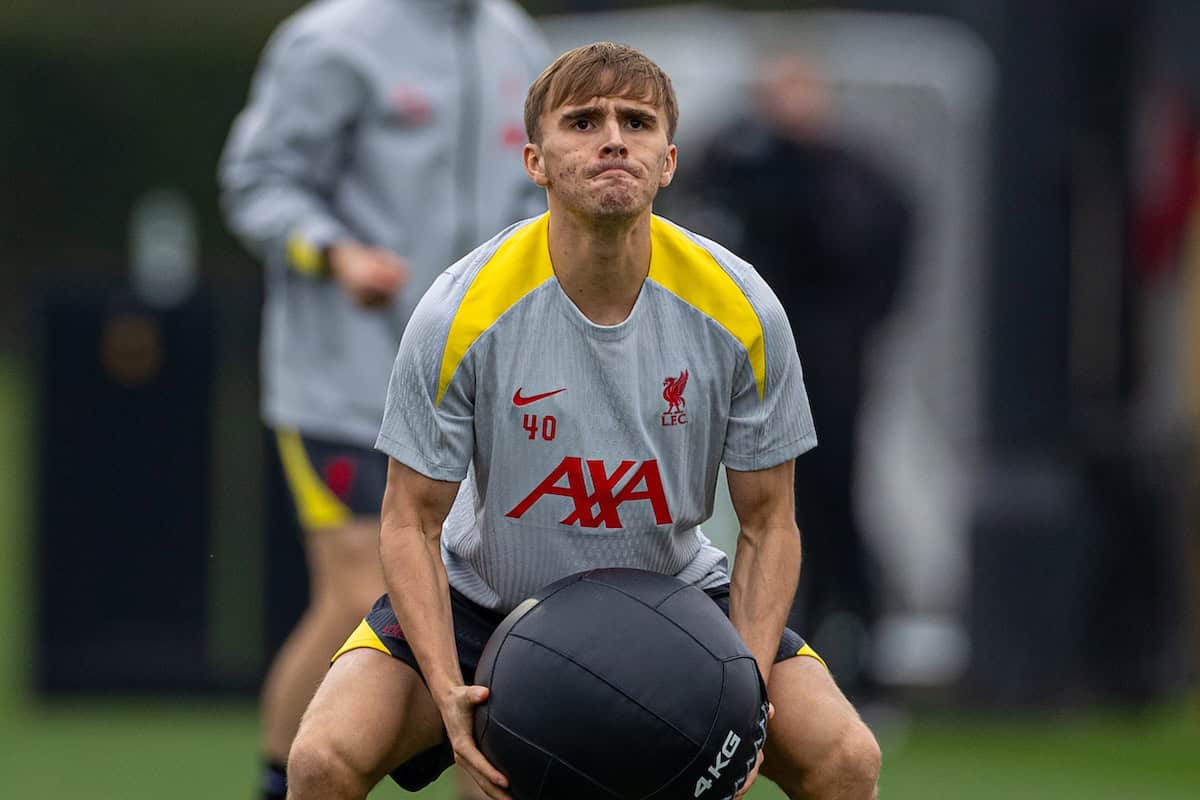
column 333, row 254
column 307, row 257
column 442, row 690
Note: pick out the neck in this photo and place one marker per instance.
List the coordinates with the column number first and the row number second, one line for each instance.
column 600, row 268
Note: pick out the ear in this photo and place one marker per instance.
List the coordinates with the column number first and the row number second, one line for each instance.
column 669, row 163
column 535, row 166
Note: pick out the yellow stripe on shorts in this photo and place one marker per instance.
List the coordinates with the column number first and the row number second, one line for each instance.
column 363, row 636
column 316, row 506
column 808, row 651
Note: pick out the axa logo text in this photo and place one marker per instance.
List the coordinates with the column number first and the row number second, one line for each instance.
column 600, row 504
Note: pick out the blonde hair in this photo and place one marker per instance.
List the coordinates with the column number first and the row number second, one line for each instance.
column 600, row 69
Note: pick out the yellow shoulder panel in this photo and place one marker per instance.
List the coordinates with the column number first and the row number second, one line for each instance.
column 690, row 272
column 519, row 265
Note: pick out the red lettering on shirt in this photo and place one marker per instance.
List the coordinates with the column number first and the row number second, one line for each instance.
column 599, row 505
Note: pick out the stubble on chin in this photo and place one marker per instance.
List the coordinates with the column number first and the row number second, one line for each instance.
column 616, row 201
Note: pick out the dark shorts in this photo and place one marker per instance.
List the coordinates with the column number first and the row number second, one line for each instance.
column 331, row 482
column 473, row 626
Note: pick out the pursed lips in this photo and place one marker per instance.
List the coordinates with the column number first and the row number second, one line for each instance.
column 615, row 167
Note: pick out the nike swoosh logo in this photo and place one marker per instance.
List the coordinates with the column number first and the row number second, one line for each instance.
column 518, row 400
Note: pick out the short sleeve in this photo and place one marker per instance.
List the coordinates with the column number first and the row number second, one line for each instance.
column 434, row 437
column 767, row 430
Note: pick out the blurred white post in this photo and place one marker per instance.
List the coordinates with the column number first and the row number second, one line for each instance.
column 162, row 248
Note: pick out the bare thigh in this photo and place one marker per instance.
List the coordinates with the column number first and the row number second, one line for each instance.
column 372, row 712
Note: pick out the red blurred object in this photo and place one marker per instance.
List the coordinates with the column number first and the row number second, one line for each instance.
column 339, row 475
column 1167, row 195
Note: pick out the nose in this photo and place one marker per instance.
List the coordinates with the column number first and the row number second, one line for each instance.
column 614, row 144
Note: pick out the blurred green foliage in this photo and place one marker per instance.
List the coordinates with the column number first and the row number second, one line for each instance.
column 103, row 102
column 17, row 481
column 95, row 129
column 119, row 24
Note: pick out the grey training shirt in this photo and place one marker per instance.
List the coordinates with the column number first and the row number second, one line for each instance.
column 580, row 445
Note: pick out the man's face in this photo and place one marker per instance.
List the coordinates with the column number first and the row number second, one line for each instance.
column 605, row 158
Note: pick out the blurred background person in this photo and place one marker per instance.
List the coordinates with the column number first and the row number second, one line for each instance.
column 830, row 232
column 381, row 142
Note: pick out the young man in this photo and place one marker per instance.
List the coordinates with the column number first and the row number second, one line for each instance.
column 561, row 401
column 379, row 144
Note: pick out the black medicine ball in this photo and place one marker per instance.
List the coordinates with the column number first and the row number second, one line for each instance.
column 620, row 683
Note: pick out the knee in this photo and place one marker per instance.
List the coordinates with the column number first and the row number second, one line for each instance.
column 846, row 767
column 315, row 769
column 852, row 767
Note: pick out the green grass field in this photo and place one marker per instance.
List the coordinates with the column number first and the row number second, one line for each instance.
column 182, row 749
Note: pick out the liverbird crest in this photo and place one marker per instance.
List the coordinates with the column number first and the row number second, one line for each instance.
column 673, row 392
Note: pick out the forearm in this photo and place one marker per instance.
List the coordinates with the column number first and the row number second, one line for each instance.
column 763, row 585
column 283, row 158
column 420, row 596
column 278, row 220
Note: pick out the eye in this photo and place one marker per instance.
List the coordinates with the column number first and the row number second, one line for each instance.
column 637, row 124
column 582, row 124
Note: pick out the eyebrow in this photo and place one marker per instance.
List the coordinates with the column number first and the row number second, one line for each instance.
column 625, row 112
column 631, row 112
column 581, row 113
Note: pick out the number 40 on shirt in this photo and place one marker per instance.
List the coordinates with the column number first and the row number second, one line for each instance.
column 548, row 427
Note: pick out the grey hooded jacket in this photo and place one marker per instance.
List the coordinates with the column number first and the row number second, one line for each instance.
column 396, row 123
